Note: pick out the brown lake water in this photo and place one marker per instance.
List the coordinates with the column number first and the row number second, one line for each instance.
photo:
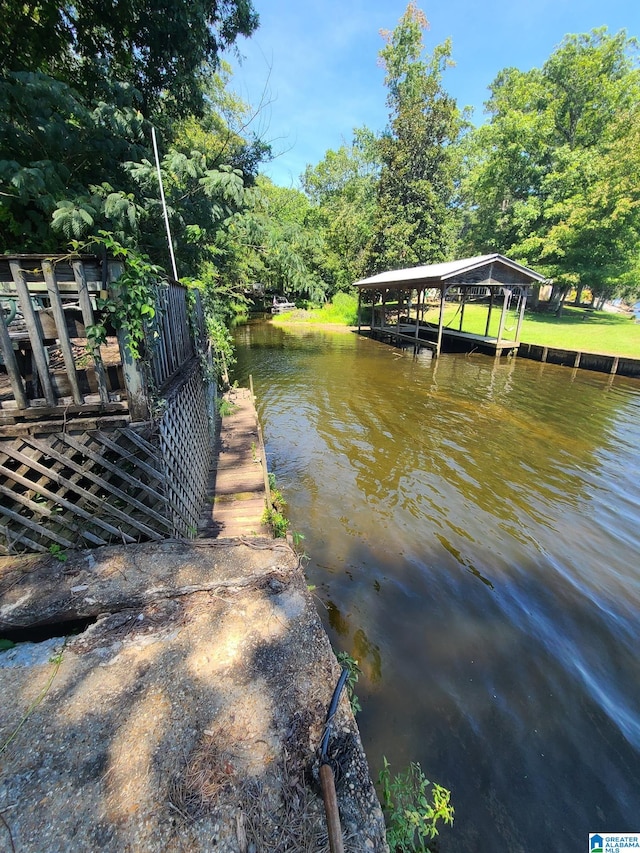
column 473, row 529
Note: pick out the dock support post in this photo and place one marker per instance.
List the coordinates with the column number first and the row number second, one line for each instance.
column 486, row 330
column 441, row 321
column 502, row 316
column 418, row 306
column 523, row 303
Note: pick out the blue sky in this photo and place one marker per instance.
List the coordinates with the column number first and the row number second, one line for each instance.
column 314, row 65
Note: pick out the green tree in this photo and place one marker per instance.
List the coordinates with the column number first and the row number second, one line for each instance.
column 165, row 49
column 62, row 155
column 552, row 178
column 290, row 254
column 413, row 222
column 342, row 189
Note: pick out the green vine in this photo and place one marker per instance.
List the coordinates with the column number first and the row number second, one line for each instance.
column 131, row 304
column 218, row 334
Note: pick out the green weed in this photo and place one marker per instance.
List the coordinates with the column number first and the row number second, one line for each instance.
column 412, row 813
column 351, row 664
column 58, row 552
column 276, row 521
column 225, row 408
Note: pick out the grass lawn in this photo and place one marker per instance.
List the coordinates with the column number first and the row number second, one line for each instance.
column 576, row 329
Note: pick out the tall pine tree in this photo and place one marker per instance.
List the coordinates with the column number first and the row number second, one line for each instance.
column 413, row 224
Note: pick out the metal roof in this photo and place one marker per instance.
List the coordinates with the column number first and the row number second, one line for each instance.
column 437, row 274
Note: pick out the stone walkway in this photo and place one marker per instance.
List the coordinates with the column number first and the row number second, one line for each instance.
column 237, row 491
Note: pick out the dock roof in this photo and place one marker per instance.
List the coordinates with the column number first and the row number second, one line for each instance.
column 465, row 270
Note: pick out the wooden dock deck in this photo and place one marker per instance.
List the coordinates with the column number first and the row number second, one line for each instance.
column 405, row 333
column 237, row 489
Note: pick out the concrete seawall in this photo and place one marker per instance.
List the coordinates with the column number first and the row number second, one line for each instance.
column 172, row 696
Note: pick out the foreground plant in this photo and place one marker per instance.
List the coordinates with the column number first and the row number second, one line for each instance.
column 351, row 664
column 412, row 815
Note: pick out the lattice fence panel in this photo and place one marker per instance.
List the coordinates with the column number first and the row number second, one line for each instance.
column 82, row 490
column 186, row 451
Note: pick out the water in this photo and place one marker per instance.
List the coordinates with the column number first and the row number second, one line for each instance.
column 473, row 530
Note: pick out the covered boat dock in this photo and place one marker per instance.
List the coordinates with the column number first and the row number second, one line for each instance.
column 399, row 299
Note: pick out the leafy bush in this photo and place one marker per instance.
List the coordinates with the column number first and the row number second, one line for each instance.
column 410, row 814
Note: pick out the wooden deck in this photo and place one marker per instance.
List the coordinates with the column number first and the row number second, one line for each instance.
column 406, row 334
column 237, row 489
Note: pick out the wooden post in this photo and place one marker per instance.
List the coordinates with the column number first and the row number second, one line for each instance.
column 35, row 331
column 523, row 302
column 8, row 355
column 359, row 309
column 502, row 314
column 464, row 296
column 443, row 290
column 486, row 331
column 420, row 297
column 400, row 306
column 134, row 378
column 88, row 319
column 61, row 328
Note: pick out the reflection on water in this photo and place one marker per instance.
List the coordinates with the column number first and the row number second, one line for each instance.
column 473, row 528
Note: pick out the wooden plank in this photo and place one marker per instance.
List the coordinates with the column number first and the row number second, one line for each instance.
column 87, row 424
column 42, row 490
column 108, row 486
column 35, row 331
column 23, row 521
column 39, row 288
column 9, row 358
column 11, row 536
column 59, row 479
column 44, row 511
column 39, row 411
column 63, row 333
column 89, row 320
column 148, row 469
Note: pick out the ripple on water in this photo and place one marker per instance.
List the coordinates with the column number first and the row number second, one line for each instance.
column 475, row 526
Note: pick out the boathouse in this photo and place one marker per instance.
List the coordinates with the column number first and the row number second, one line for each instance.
column 98, row 446
column 409, row 306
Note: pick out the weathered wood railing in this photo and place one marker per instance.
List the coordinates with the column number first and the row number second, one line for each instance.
column 92, row 453
column 55, row 301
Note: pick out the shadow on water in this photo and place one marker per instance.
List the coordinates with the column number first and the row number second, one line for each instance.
column 472, row 527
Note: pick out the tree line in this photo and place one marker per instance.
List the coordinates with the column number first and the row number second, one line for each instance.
column 550, row 179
